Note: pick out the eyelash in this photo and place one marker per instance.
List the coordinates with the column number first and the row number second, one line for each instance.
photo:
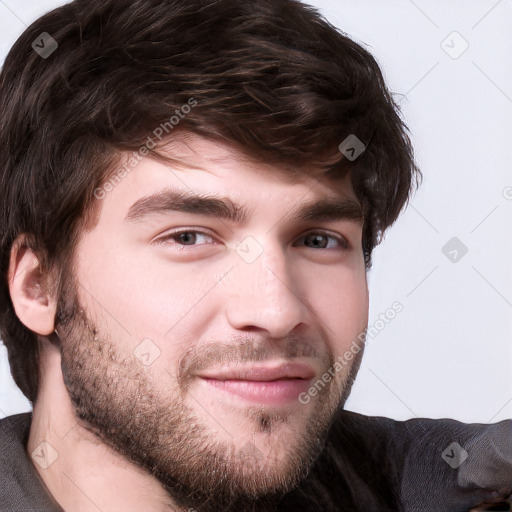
column 343, row 243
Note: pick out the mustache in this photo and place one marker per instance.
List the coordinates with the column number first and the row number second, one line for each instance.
column 248, row 350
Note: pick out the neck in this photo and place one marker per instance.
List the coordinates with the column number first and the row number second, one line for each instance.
column 81, row 472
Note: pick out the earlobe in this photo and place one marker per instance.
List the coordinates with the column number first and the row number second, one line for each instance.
column 32, row 301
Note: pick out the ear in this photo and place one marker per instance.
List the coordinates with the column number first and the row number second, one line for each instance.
column 32, row 301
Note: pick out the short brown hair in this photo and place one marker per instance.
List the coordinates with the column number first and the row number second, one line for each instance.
column 272, row 76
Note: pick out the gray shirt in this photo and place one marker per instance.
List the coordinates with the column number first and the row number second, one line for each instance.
column 21, row 488
column 369, row 464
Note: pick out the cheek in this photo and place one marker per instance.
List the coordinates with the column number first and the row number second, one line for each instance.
column 136, row 297
column 342, row 304
column 121, row 289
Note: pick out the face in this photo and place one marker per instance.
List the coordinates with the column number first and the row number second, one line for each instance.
column 199, row 336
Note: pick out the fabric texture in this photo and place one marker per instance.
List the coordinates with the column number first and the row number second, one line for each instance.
column 369, row 464
column 21, row 489
column 376, row 464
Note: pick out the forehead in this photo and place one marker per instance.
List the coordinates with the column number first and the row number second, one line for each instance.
column 225, row 160
column 200, row 175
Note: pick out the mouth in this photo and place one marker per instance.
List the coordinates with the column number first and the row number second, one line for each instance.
column 275, row 384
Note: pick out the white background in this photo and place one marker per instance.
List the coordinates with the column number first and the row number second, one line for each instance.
column 449, row 352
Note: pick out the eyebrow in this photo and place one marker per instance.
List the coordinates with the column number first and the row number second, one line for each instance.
column 211, row 205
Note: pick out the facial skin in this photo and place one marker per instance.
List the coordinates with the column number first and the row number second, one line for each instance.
column 147, row 393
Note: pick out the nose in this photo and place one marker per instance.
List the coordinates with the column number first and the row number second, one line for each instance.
column 266, row 295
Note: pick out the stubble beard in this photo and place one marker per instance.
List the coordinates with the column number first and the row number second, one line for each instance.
column 115, row 399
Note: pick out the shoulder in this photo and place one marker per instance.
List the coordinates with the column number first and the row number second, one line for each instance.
column 20, row 485
column 14, row 432
column 374, row 463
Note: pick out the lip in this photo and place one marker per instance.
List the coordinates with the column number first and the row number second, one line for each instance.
column 272, row 384
column 260, row 373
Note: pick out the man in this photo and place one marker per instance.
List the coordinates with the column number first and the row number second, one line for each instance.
column 191, row 192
